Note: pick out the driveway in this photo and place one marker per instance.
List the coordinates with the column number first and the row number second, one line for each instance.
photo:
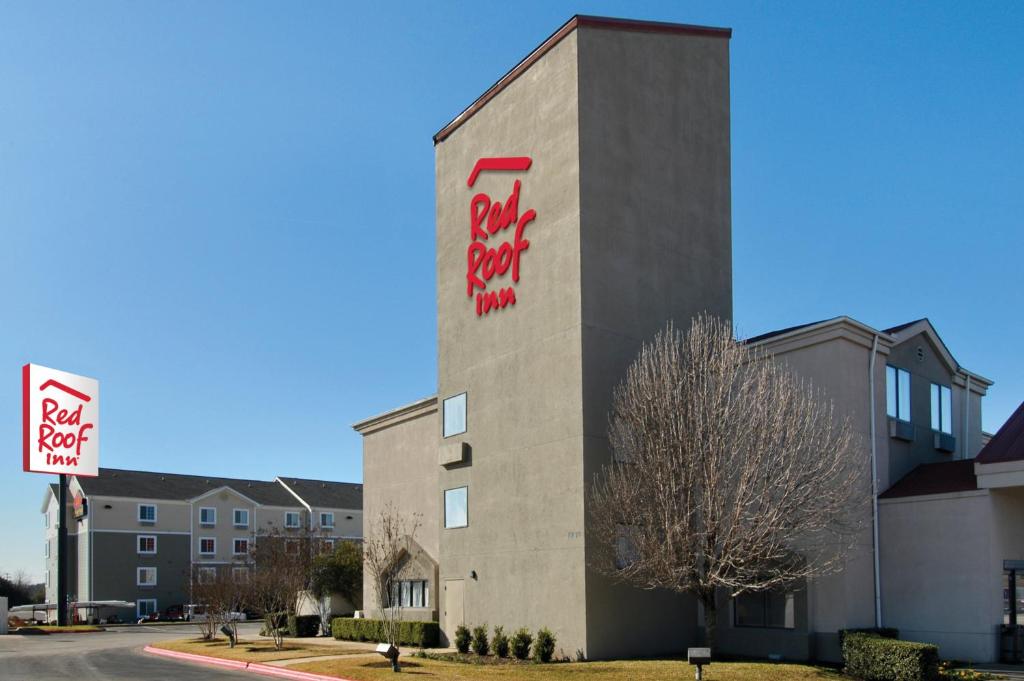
column 114, row 654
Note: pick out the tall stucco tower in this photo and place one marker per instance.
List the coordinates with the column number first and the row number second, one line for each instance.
column 582, row 202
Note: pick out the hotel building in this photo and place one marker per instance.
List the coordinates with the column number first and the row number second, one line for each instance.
column 582, row 202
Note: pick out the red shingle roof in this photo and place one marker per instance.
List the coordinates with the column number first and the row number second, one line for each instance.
column 935, row 478
column 1008, row 442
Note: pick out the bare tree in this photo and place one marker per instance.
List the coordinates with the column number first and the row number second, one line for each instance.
column 387, row 551
column 729, row 473
column 280, row 570
column 202, row 587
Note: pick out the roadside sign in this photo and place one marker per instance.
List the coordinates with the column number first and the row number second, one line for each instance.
column 61, row 422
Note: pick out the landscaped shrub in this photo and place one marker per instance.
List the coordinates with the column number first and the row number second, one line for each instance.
column 873, row 658
column 462, row 639
column 420, row 634
column 500, row 642
column 884, row 632
column 544, row 646
column 480, row 645
column 272, row 621
column 303, row 626
column 521, row 641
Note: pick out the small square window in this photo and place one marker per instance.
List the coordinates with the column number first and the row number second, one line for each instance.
column 240, row 546
column 456, row 507
column 241, row 517
column 455, row 415
column 207, row 575
column 291, row 519
column 145, row 607
column 147, row 513
column 240, row 575
column 208, row 517
column 207, row 546
column 145, row 576
column 327, row 520
column 146, row 544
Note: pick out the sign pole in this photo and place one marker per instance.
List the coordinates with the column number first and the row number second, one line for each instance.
column 62, row 553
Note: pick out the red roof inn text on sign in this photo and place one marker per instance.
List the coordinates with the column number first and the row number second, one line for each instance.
column 61, row 413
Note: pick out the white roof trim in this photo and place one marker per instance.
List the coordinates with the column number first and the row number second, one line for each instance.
column 223, row 487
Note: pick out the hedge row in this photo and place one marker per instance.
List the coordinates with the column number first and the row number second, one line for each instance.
column 303, row 626
column 872, row 657
column 420, row 634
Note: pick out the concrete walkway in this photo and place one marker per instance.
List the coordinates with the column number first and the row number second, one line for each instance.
column 1011, row 672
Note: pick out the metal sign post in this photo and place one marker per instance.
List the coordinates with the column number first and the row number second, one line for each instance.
column 62, row 553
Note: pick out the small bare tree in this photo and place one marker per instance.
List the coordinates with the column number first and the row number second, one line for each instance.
column 280, row 570
column 203, row 587
column 387, row 551
column 729, row 473
column 337, row 571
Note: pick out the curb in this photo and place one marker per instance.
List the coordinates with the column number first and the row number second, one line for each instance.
column 254, row 667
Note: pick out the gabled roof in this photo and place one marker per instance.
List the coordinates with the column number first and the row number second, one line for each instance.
column 1008, row 442
column 944, row 477
column 788, row 329
column 326, row 494
column 117, row 482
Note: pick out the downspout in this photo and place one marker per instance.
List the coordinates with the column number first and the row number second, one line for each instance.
column 967, row 417
column 874, row 485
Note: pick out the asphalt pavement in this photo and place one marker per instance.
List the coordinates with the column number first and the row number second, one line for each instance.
column 115, row 655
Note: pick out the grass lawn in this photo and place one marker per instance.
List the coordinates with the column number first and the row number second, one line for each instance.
column 252, row 651
column 368, row 669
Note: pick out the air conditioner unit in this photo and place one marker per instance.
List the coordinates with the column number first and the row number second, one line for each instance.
column 901, row 430
column 945, row 442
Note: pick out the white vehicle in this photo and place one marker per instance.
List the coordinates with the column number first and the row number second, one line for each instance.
column 197, row 613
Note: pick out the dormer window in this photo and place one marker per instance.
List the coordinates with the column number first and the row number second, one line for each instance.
column 897, row 393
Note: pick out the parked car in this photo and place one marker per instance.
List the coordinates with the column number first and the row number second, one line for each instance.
column 197, row 613
column 175, row 612
column 151, row 617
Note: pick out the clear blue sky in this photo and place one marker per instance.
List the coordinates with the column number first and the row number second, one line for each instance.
column 224, row 211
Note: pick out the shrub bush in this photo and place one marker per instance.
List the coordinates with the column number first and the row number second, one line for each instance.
column 274, row 620
column 544, row 646
column 884, row 632
column 462, row 639
column 420, row 634
column 500, row 642
column 303, row 626
column 872, row 657
column 521, row 641
column 480, row 645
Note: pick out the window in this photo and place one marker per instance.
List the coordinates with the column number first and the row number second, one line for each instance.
column 207, row 546
column 145, row 576
column 410, row 593
column 897, row 393
column 456, row 507
column 291, row 519
column 207, row 575
column 147, row 513
column 241, row 546
column 328, row 545
column 455, row 415
column 145, row 607
column 241, row 517
column 942, row 409
column 47, row 578
column 208, row 517
column 327, row 520
column 146, row 544
column 240, row 575
column 768, row 609
column 46, row 549
column 46, row 519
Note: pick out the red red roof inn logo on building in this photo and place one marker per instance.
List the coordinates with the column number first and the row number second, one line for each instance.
column 61, row 413
column 487, row 258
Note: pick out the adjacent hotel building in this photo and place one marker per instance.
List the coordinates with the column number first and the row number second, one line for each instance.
column 583, row 201
column 135, row 535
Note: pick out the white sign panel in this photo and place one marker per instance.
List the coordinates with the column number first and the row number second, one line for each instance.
column 61, row 413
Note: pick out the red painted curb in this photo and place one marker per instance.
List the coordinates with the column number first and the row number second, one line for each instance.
column 254, row 667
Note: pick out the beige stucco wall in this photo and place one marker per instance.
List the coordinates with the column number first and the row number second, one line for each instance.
column 655, row 245
column 224, row 501
column 400, row 467
column 942, row 569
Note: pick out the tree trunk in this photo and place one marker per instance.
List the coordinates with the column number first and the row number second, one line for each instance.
column 710, row 620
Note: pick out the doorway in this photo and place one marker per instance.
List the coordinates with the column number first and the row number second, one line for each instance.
column 454, row 606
